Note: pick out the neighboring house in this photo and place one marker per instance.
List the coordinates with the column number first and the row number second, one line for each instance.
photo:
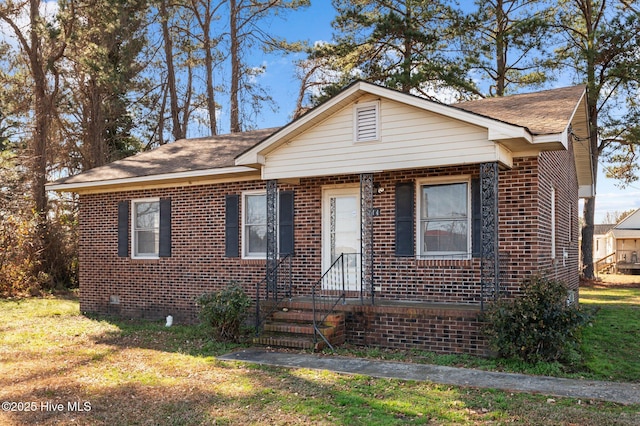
column 625, row 237
column 603, row 253
column 445, row 208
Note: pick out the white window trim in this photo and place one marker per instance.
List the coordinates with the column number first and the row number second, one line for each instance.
column 133, row 228
column 243, row 243
column 365, row 105
column 443, row 180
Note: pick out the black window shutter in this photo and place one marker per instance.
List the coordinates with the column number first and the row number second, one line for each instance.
column 476, row 218
column 165, row 228
column 231, row 239
column 405, row 231
column 123, row 229
column 285, row 225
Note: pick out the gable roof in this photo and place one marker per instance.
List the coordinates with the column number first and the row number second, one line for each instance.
column 484, row 113
column 517, row 125
column 630, row 222
column 629, row 227
column 520, row 123
column 182, row 159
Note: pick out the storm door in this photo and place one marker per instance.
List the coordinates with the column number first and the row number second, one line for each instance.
column 341, row 235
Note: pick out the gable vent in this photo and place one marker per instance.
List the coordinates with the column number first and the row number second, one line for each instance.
column 366, row 122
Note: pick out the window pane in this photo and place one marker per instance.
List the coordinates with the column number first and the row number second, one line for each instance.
column 256, row 209
column 444, row 201
column 147, row 242
column 257, row 239
column 444, row 236
column 147, row 215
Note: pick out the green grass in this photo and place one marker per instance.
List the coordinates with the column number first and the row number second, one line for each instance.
column 602, row 296
column 610, row 344
column 136, row 372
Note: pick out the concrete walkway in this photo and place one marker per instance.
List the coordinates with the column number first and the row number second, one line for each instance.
column 623, row 393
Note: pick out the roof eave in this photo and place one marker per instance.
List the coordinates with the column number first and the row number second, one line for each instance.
column 151, row 179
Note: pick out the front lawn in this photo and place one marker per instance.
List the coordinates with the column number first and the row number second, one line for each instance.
column 58, row 367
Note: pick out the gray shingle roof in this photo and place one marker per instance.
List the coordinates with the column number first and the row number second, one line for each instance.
column 601, row 229
column 545, row 112
column 184, row 155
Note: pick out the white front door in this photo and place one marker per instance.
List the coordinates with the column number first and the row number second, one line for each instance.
column 341, row 233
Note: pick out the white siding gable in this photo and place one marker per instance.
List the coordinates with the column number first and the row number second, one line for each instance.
column 409, row 137
column 630, row 222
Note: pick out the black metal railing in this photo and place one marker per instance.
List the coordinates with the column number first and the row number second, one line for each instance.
column 273, row 288
column 343, row 275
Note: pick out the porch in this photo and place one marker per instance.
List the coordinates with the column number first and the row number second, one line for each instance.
column 437, row 327
column 382, row 291
column 339, row 309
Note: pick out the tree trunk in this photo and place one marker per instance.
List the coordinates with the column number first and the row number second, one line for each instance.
column 208, row 65
column 501, row 59
column 97, row 153
column 42, row 110
column 178, row 131
column 235, row 68
column 593, row 94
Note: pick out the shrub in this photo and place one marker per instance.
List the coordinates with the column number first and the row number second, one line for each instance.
column 225, row 311
column 538, row 326
column 18, row 255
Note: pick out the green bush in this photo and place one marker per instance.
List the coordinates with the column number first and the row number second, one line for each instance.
column 225, row 311
column 537, row 326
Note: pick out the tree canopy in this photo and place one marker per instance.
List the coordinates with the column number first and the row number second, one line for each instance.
column 85, row 82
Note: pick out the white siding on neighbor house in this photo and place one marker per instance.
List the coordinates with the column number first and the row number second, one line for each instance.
column 630, row 222
column 409, row 138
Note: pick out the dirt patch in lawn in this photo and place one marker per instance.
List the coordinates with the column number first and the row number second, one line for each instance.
column 612, row 281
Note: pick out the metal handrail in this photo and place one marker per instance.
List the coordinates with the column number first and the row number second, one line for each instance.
column 324, row 300
column 287, row 287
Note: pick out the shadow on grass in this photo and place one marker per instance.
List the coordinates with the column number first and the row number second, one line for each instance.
column 263, row 395
column 194, row 340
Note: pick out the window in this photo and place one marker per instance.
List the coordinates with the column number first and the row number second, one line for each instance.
column 254, row 227
column 443, row 229
column 366, row 122
column 146, row 228
column 254, row 224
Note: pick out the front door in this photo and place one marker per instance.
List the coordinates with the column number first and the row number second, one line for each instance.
column 341, row 234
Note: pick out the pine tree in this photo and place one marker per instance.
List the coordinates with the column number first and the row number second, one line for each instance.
column 600, row 43
column 507, row 41
column 400, row 44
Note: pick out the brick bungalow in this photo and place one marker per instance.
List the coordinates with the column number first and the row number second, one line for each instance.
column 437, row 208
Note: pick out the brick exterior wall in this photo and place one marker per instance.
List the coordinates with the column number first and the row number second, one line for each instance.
column 168, row 286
